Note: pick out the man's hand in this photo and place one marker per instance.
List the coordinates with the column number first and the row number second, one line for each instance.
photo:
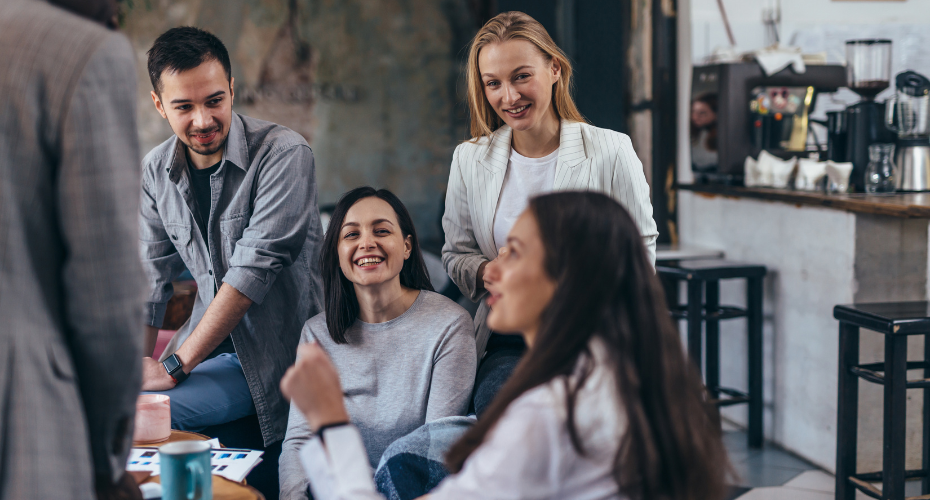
column 154, row 376
column 313, row 385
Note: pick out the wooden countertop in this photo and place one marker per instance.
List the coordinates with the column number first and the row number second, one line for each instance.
column 905, row 205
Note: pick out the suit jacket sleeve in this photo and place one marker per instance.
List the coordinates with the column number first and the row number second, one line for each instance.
column 630, row 188
column 460, row 253
column 98, row 193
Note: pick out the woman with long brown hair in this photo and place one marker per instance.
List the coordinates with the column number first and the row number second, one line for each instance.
column 528, row 138
column 605, row 404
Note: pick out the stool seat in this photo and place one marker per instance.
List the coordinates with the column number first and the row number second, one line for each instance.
column 711, row 269
column 890, row 318
column 674, row 252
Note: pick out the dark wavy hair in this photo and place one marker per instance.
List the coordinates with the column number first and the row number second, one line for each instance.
column 606, row 288
column 339, row 293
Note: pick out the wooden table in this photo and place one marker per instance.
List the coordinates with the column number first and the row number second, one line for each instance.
column 223, row 489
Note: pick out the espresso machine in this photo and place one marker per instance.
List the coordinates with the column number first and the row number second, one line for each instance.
column 737, row 111
column 868, row 72
column 908, row 114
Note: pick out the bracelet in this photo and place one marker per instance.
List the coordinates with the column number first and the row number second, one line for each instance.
column 319, row 431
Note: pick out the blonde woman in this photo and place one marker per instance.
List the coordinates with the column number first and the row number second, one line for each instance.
column 527, row 138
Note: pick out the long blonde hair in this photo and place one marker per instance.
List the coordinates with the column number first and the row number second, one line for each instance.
column 515, row 26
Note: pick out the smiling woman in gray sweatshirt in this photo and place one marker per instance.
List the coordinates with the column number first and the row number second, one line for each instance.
column 405, row 354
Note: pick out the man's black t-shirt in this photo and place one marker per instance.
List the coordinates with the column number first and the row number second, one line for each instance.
column 200, row 185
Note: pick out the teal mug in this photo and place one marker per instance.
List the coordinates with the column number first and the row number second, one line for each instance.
column 185, row 471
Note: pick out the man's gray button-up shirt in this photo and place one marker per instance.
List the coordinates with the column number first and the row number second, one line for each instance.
column 263, row 239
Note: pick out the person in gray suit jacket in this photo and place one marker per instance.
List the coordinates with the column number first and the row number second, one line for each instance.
column 71, row 284
column 528, row 138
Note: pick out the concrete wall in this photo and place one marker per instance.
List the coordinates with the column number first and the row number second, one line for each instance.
column 817, row 258
column 371, row 84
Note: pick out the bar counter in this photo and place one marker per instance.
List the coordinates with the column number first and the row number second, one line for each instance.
column 907, row 205
column 820, row 250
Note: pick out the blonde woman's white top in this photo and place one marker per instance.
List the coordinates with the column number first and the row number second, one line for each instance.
column 528, row 454
column 525, row 178
column 589, row 158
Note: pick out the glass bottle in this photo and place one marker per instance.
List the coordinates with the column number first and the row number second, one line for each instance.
column 879, row 174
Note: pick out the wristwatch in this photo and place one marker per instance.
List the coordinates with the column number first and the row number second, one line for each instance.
column 173, row 367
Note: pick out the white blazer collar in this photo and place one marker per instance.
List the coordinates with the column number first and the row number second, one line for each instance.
column 572, row 149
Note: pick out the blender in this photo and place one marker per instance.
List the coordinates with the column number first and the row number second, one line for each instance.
column 868, row 72
column 908, row 114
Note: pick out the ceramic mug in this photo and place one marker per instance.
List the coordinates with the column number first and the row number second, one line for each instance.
column 153, row 419
column 185, row 471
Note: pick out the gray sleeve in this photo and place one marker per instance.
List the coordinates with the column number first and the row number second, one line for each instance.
column 291, row 477
column 160, row 259
column 98, row 189
column 285, row 198
column 453, row 371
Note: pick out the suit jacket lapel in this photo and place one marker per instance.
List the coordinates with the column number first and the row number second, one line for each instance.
column 492, row 180
column 572, row 153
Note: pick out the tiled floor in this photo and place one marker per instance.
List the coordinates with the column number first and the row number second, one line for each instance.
column 773, row 474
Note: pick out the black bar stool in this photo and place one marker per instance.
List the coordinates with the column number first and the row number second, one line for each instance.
column 703, row 306
column 896, row 321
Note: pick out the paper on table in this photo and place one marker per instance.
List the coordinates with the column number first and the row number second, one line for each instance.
column 232, row 463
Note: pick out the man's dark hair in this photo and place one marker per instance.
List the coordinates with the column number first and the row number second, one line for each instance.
column 184, row 48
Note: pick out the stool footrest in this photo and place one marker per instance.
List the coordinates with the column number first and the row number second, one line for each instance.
column 861, row 482
column 872, row 372
column 721, row 313
column 736, row 397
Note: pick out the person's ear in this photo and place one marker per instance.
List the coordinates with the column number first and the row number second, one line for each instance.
column 232, row 92
column 158, row 105
column 556, row 68
column 408, row 246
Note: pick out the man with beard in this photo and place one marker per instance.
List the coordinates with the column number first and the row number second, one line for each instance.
column 70, row 280
column 234, row 200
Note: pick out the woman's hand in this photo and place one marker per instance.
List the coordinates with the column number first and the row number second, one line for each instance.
column 313, row 385
column 483, row 282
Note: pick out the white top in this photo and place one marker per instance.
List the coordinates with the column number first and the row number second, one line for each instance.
column 525, row 178
column 528, row 455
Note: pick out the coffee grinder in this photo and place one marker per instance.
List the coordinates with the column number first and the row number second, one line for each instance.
column 868, row 72
column 908, row 114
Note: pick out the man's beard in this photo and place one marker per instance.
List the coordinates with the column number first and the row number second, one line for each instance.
column 205, row 150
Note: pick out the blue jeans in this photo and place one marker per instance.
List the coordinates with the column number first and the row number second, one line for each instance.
column 215, row 393
column 503, row 355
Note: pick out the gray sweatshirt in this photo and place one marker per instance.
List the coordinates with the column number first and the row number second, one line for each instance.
column 396, row 376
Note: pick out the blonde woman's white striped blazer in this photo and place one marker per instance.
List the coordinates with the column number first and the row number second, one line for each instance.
column 590, row 158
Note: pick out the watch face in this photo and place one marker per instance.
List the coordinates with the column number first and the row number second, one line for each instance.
column 172, row 364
